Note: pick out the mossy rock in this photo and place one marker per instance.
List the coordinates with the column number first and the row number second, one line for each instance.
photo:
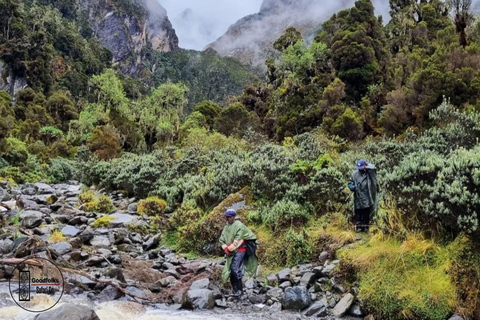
column 102, row 222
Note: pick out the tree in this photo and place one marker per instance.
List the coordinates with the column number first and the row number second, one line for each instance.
column 289, row 38
column 463, row 18
column 161, row 114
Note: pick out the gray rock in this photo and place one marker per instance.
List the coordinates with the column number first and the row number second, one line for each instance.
column 296, row 298
column 29, row 191
column 272, row 280
column 132, row 208
column 31, row 219
column 250, row 283
column 275, row 307
column 121, row 220
column 62, row 247
column 221, row 303
column 69, row 311
column 136, row 291
column 109, row 294
column 173, row 273
column 274, row 294
column 104, row 252
column 356, row 311
column 323, row 257
column 328, row 269
column 165, row 282
column 308, row 278
column 4, row 196
column 43, row 188
column 343, row 305
column 86, row 235
column 284, row 275
column 70, row 231
column 78, row 220
column 200, row 284
column 285, row 285
column 5, row 246
column 61, row 218
column 152, row 242
column 28, row 204
column 257, row 298
column 318, row 271
column 455, row 317
column 314, row 308
column 198, row 299
column 100, row 241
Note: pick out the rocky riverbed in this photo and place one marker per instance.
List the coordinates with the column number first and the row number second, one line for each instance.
column 114, row 272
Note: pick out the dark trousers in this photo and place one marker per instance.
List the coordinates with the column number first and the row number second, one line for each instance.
column 362, row 217
column 236, row 271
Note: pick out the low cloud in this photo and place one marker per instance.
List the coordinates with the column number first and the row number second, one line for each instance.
column 200, row 22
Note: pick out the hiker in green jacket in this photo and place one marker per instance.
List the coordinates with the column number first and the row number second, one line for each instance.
column 363, row 183
column 239, row 244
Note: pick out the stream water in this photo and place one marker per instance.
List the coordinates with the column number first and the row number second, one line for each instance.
column 127, row 310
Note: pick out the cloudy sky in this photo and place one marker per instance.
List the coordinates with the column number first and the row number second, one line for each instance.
column 200, row 22
column 207, row 19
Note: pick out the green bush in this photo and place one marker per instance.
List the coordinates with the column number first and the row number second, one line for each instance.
column 152, row 206
column 298, row 249
column 14, row 151
column 60, row 170
column 283, row 214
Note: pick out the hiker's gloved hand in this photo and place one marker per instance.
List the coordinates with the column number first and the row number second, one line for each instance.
column 351, row 187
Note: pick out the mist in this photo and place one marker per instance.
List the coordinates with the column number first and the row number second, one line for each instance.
column 200, row 22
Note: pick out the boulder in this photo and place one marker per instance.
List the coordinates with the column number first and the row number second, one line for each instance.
column 31, row 219
column 109, row 294
column 343, row 305
column 198, row 299
column 200, row 284
column 70, row 231
column 62, row 247
column 296, row 298
column 121, row 220
column 284, row 275
column 69, row 311
column 314, row 308
column 308, row 278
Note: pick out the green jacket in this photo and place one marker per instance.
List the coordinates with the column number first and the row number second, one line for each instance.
column 231, row 237
column 366, row 188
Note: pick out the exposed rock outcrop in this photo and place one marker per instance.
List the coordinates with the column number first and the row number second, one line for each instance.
column 126, row 35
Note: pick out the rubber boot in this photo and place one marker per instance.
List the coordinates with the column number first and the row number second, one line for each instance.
column 239, row 287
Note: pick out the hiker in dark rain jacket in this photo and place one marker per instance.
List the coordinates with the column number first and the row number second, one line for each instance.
column 363, row 183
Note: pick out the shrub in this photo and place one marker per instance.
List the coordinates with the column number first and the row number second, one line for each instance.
column 57, row 236
column 284, row 214
column 86, row 196
column 152, row 206
column 105, row 142
column 298, row 249
column 60, row 170
column 102, row 222
column 49, row 134
column 102, row 204
column 14, row 151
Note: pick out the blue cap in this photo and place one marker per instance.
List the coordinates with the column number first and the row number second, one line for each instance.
column 230, row 213
column 361, row 163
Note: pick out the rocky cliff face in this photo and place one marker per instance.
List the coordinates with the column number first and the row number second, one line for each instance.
column 251, row 38
column 126, row 34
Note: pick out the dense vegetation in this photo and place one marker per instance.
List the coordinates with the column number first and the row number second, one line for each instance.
column 404, row 96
